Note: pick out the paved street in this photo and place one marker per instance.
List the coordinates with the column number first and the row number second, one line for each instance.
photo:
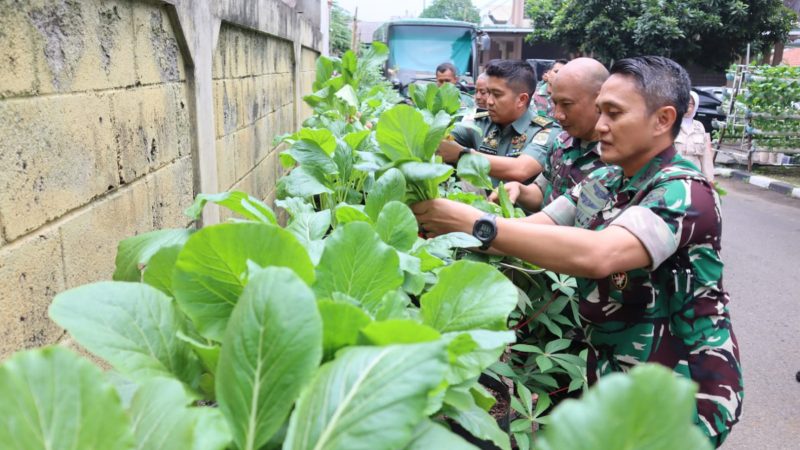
column 761, row 251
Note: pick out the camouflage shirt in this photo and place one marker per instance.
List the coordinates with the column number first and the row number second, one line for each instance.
column 569, row 162
column 528, row 135
column 540, row 103
column 675, row 312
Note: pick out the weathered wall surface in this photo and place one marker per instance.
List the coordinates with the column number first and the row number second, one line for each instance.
column 114, row 114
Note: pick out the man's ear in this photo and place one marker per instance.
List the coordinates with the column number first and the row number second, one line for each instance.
column 523, row 99
column 665, row 118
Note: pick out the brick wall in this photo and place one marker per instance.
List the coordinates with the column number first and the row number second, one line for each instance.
column 106, row 116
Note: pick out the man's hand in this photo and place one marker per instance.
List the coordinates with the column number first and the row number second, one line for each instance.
column 442, row 216
column 513, row 188
column 449, row 151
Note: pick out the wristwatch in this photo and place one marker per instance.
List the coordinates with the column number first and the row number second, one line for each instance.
column 464, row 151
column 485, row 230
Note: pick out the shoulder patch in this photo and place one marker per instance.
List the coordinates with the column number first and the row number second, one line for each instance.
column 541, row 138
column 481, row 115
column 541, row 121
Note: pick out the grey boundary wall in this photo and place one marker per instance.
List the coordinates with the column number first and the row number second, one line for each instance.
column 114, row 114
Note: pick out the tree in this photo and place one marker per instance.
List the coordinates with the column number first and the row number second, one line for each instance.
column 452, row 9
column 341, row 34
column 711, row 33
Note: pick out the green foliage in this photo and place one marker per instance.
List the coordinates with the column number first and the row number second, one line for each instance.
column 341, row 33
column 709, row 33
column 462, row 10
column 52, row 399
column 627, row 401
column 340, row 330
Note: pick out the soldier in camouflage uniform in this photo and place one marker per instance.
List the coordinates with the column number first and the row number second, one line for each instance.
column 643, row 238
column 574, row 153
column 542, row 104
column 510, row 134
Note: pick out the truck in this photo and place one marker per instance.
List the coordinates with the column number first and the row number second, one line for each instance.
column 417, row 46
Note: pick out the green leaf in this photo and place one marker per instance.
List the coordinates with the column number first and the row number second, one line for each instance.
column 351, row 213
column 303, row 182
column 459, row 301
column 160, row 268
column 162, row 420
column 357, row 138
column 557, row 345
column 393, row 306
column 544, row 363
column 208, row 353
column 271, row 349
column 212, row 269
column 324, row 71
column 54, row 400
column 505, row 202
column 134, row 253
column 341, row 323
column 389, row 187
column 309, row 154
column 430, row 435
column 310, row 226
column 480, row 424
column 368, row 398
column 401, row 133
column 475, row 169
column 417, row 172
column 474, row 351
column 629, row 399
column 437, row 131
column 348, row 95
column 397, row 226
column 357, row 263
column 448, row 99
column 240, row 203
column 133, row 326
column 398, row 331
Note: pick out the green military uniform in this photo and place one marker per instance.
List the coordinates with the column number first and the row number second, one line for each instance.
column 674, row 312
column 528, row 135
column 566, row 165
column 541, row 104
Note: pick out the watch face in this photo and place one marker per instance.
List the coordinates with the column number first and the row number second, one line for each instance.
column 484, row 229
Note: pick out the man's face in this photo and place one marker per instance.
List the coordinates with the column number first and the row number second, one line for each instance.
column 574, row 107
column 625, row 126
column 445, row 77
column 504, row 105
column 481, row 92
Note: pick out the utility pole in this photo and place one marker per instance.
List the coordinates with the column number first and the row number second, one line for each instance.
column 354, row 43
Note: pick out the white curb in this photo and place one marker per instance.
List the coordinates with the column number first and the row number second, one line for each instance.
column 720, row 172
column 760, row 181
column 796, row 192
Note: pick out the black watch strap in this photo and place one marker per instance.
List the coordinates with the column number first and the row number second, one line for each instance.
column 464, row 151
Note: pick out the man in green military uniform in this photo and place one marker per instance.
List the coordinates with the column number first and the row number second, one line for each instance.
column 574, row 153
column 642, row 236
column 511, row 135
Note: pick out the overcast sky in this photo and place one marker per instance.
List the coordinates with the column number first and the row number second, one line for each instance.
column 381, row 11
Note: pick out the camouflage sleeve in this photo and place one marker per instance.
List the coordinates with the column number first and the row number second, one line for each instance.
column 542, row 181
column 465, row 136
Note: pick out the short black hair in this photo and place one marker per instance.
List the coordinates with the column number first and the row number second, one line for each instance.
column 661, row 81
column 444, row 67
column 561, row 61
column 519, row 75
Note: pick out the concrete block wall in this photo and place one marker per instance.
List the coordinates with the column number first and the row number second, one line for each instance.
column 114, row 114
